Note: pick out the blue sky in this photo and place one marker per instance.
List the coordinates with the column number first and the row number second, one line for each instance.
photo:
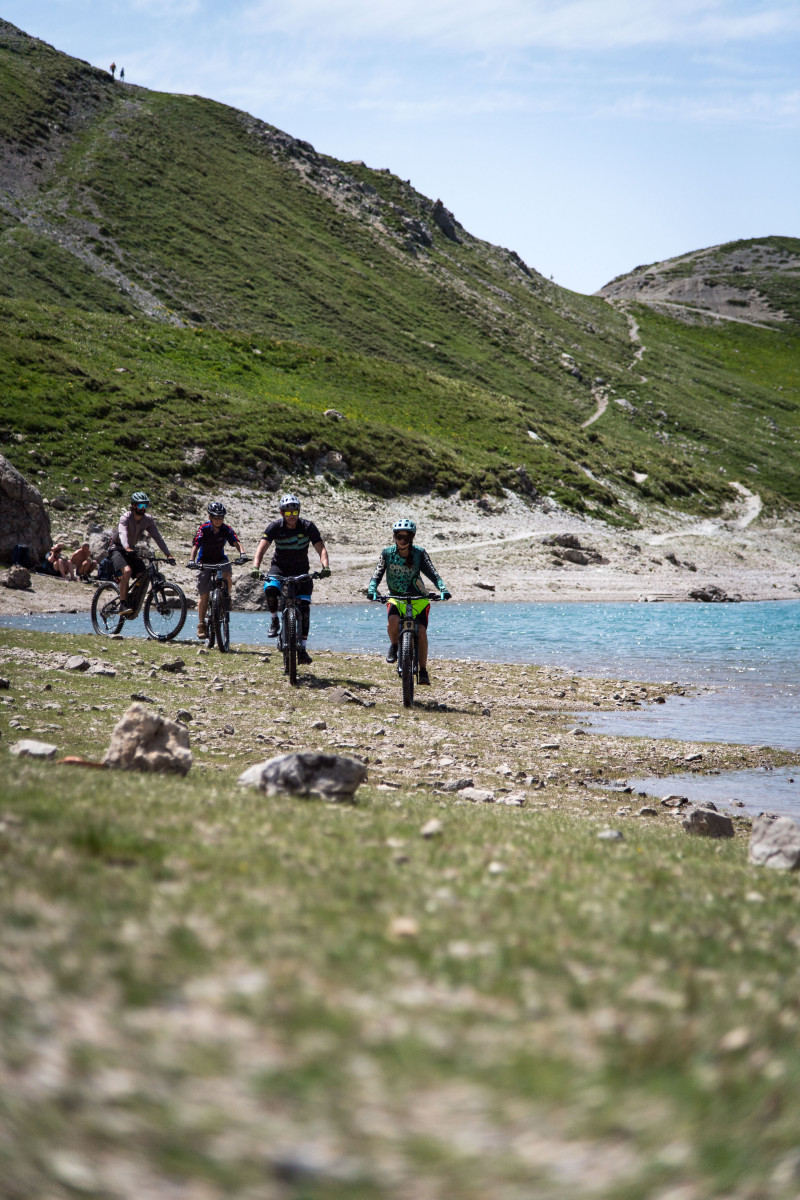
column 588, row 135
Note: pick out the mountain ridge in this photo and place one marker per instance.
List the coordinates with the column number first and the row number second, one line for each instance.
column 314, row 283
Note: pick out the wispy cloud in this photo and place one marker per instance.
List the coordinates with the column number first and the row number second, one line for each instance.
column 474, row 25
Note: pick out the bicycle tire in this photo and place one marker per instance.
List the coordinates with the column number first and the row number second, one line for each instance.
column 407, row 667
column 290, row 645
column 105, row 610
column 222, row 627
column 211, row 629
column 164, row 611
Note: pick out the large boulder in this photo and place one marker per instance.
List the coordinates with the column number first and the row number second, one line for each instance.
column 707, row 822
column 145, row 741
column 248, row 595
column 775, row 843
column 17, row 577
column 307, row 773
column 25, row 518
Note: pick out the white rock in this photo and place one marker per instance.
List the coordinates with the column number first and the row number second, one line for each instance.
column 432, row 828
column 30, row 748
column 610, row 835
column 76, row 662
column 145, row 741
column 477, row 795
column 775, row 844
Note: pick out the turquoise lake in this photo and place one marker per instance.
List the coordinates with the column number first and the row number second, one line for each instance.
column 746, row 653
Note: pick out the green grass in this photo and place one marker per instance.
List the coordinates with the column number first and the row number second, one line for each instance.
column 442, row 359
column 213, row 978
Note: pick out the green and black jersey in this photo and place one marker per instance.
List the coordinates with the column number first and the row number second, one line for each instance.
column 291, row 545
column 403, row 574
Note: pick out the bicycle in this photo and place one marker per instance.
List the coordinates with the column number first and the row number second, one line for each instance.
column 408, row 648
column 218, row 620
column 163, row 602
column 291, row 621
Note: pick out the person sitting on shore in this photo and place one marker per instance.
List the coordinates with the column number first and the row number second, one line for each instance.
column 82, row 562
column 56, row 564
column 404, row 563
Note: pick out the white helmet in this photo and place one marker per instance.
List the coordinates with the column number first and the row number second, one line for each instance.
column 289, row 501
column 404, row 525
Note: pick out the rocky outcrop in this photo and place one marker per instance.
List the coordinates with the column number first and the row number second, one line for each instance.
column 307, row 773
column 25, row 520
column 144, row 741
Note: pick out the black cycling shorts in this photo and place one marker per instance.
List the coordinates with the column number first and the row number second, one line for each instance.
column 120, row 559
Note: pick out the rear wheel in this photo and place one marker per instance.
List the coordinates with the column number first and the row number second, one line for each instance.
column 290, row 644
column 105, row 610
column 407, row 667
column 165, row 612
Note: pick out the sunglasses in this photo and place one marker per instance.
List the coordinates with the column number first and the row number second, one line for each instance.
column 402, row 537
column 141, row 507
column 291, row 512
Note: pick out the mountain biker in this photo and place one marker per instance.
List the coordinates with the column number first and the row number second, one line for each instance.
column 292, row 535
column 133, row 523
column 209, row 543
column 403, row 564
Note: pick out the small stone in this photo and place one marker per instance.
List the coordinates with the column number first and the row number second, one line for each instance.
column 503, row 770
column 735, row 1039
column 610, row 835
column 432, row 828
column 456, row 785
column 175, row 666
column 403, row 927
column 76, row 662
column 707, row 823
column 693, row 757
column 515, row 800
column 577, row 732
column 102, row 669
column 5, row 684
column 647, row 811
column 477, row 795
column 142, row 699
column 496, row 868
column 320, row 725
column 29, row 748
column 673, row 801
column 550, row 746
column 307, row 773
column 183, row 715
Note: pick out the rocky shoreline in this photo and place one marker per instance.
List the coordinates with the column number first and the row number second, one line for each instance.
column 493, row 550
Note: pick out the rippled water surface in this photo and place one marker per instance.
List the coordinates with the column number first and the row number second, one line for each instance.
column 747, row 653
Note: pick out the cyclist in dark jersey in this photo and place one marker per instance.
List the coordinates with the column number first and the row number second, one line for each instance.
column 209, row 545
column 291, row 535
column 404, row 563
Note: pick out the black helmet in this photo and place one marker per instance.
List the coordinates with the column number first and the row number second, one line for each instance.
column 216, row 509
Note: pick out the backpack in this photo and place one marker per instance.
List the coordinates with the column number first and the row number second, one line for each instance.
column 105, row 569
column 21, row 556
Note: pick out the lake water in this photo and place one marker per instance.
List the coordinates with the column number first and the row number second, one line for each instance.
column 747, row 654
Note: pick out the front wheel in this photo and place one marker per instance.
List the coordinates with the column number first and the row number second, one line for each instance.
column 105, row 610
column 407, row 667
column 290, row 645
column 165, row 611
column 220, row 620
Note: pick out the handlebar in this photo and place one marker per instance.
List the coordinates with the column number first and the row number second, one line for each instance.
column 204, row 566
column 295, row 578
column 408, row 596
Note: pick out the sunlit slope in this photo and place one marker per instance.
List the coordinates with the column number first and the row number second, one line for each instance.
column 246, row 282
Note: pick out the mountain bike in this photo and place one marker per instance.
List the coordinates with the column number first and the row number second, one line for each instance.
column 408, row 649
column 218, row 615
column 162, row 603
column 289, row 637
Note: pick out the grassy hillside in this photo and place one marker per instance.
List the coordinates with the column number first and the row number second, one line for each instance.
column 245, row 283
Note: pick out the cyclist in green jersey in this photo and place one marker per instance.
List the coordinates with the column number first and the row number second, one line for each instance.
column 403, row 563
